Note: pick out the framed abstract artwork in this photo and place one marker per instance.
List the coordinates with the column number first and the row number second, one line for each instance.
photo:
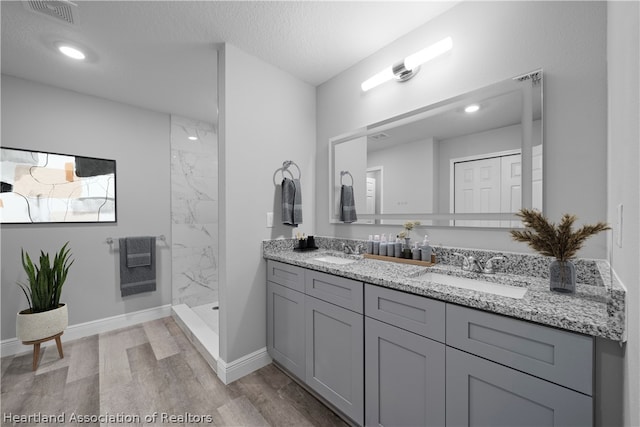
column 38, row 187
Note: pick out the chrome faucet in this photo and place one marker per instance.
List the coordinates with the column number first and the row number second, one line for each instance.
column 470, row 263
column 359, row 249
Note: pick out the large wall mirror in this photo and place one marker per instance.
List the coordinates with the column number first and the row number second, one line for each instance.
column 469, row 161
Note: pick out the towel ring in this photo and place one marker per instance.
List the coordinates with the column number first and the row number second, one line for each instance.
column 285, row 167
column 342, row 174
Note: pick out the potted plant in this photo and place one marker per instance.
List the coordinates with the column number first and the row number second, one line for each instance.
column 45, row 317
column 558, row 241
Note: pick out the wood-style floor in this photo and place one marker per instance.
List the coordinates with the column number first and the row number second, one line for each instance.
column 145, row 369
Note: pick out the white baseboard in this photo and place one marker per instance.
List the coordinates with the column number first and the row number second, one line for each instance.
column 12, row 346
column 229, row 372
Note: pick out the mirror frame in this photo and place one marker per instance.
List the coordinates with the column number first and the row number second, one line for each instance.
column 525, row 83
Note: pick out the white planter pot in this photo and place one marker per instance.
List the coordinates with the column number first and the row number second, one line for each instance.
column 37, row 326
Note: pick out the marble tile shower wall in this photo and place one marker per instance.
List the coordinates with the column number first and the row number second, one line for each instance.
column 194, row 213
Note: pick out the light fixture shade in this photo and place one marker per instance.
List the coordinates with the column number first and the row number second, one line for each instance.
column 406, row 69
column 427, row 54
column 378, row 79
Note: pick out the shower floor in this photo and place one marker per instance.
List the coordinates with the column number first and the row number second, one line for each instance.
column 207, row 313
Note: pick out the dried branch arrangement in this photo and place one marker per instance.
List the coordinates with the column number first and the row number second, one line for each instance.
column 549, row 239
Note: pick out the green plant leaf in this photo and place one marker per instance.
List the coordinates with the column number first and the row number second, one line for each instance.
column 45, row 280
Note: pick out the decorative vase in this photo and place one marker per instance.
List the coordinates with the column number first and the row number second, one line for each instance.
column 562, row 276
column 407, row 243
column 37, row 326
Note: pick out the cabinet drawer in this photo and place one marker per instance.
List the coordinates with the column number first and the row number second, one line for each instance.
column 414, row 313
column 287, row 275
column 343, row 292
column 558, row 356
column 484, row 393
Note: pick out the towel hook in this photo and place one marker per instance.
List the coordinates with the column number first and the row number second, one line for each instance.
column 342, row 174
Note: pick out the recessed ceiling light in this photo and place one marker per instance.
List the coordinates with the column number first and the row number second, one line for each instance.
column 72, row 52
column 192, row 138
column 471, row 108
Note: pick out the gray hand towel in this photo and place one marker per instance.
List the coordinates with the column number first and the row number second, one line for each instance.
column 291, row 202
column 347, row 205
column 139, row 277
column 139, row 251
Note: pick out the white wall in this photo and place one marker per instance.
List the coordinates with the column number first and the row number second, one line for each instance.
column 493, row 41
column 44, row 118
column 408, row 184
column 266, row 117
column 623, row 44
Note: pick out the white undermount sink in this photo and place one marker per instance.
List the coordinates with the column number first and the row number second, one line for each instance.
column 475, row 285
column 330, row 259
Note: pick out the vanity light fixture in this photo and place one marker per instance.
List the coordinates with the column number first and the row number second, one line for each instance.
column 471, row 108
column 407, row 68
column 71, row 52
column 192, row 138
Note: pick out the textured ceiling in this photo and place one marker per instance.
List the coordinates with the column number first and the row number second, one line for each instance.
column 161, row 55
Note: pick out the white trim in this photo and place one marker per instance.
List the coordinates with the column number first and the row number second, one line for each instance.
column 12, row 346
column 229, row 372
column 204, row 339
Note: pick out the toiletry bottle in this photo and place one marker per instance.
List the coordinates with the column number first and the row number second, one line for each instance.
column 391, row 246
column 398, row 247
column 382, row 250
column 376, row 244
column 370, row 244
column 415, row 252
column 426, row 249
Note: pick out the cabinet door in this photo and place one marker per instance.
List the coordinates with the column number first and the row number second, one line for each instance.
column 335, row 358
column 484, row 393
column 285, row 327
column 404, row 377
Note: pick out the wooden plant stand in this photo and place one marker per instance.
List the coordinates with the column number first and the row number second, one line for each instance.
column 36, row 347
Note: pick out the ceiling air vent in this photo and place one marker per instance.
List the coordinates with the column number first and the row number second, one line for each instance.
column 61, row 10
column 379, row 136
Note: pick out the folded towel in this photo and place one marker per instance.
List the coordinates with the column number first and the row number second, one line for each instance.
column 139, row 251
column 347, row 205
column 291, row 202
column 138, row 278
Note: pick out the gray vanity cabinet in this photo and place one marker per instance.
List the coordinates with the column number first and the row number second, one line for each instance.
column 404, row 359
column 484, row 393
column 505, row 372
column 334, row 353
column 285, row 327
column 405, row 377
column 315, row 330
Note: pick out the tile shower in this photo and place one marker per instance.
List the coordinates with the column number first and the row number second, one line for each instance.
column 194, row 228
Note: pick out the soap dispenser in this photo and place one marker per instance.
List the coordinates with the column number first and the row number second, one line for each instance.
column 370, row 244
column 416, row 252
column 391, row 246
column 427, row 251
column 398, row 247
column 376, row 244
column 382, row 251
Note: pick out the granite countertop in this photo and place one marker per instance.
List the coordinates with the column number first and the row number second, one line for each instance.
column 596, row 309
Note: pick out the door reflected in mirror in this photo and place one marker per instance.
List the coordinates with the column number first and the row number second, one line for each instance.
column 447, row 164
